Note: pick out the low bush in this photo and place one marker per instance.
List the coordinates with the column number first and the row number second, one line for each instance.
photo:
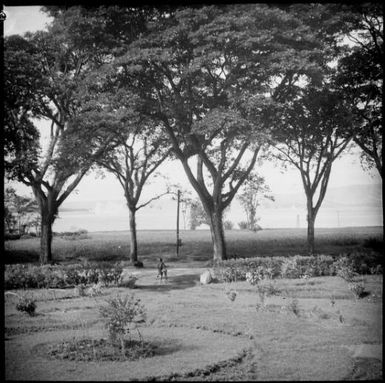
column 344, row 269
column 254, row 269
column 358, row 289
column 28, row 235
column 228, row 225
column 96, row 350
column 374, row 243
column 243, row 225
column 138, row 264
column 235, row 269
column 11, row 237
column 27, row 305
column 73, row 235
column 19, row 276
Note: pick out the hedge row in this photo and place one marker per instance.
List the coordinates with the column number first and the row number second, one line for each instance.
column 299, row 266
column 21, row 276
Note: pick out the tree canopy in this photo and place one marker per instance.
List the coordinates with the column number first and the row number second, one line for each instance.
column 360, row 76
column 48, row 76
column 208, row 75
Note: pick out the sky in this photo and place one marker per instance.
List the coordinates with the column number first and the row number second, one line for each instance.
column 346, row 170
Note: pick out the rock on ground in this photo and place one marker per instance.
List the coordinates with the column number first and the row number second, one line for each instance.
column 206, row 277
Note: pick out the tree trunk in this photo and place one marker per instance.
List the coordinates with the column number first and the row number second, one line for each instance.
column 133, row 239
column 310, row 226
column 46, row 238
column 310, row 235
column 217, row 235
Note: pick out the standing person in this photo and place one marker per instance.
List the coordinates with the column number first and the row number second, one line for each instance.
column 162, row 269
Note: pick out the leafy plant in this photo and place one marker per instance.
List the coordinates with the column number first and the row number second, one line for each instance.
column 290, row 268
column 95, row 289
column 344, row 269
column 60, row 276
column 358, row 289
column 121, row 314
column 27, row 305
column 259, row 274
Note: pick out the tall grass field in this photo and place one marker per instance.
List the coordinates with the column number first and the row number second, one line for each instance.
column 196, row 249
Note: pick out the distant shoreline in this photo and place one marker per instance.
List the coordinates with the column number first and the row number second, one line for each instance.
column 239, row 230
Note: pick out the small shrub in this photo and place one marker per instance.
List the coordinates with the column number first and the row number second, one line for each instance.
column 121, row 313
column 358, row 289
column 252, row 278
column 259, row 274
column 110, row 276
column 27, row 305
column 293, row 307
column 138, row 264
column 228, row 225
column 290, row 268
column 230, row 274
column 95, row 290
column 344, row 269
column 80, row 290
column 243, row 225
column 231, row 294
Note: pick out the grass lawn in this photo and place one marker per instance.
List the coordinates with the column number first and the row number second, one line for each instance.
column 201, row 335
column 313, row 329
column 197, row 248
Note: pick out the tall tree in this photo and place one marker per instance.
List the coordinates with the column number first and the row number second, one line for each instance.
column 310, row 135
column 251, row 193
column 360, row 76
column 47, row 77
column 205, row 74
column 140, row 152
column 18, row 210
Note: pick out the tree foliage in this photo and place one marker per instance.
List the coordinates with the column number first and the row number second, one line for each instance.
column 20, row 212
column 140, row 151
column 207, row 74
column 360, row 76
column 310, row 135
column 49, row 76
column 251, row 193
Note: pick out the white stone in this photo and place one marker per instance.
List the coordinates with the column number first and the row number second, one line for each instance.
column 127, row 279
column 206, row 277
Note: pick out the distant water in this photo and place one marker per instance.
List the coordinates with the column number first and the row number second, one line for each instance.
column 165, row 218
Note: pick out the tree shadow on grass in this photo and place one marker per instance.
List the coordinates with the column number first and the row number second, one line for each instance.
column 177, row 282
column 170, row 346
column 20, row 256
